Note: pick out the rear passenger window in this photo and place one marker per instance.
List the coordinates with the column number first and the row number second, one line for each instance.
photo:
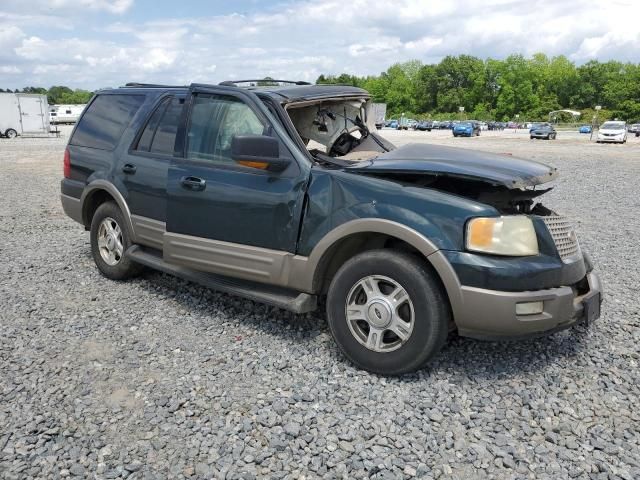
column 159, row 135
column 104, row 121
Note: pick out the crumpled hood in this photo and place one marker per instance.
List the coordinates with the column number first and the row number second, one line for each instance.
column 505, row 170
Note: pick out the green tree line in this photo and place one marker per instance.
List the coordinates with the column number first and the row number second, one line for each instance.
column 57, row 95
column 501, row 89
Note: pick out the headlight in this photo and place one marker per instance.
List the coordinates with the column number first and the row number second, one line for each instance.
column 511, row 236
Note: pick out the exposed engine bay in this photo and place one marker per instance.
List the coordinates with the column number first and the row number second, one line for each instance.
column 340, row 133
column 343, row 128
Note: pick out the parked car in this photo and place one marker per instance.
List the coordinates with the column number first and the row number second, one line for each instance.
column 405, row 123
column 536, row 125
column 612, row 132
column 585, row 129
column 424, row 125
column 466, row 129
column 393, row 124
column 635, row 128
column 215, row 184
column 543, row 130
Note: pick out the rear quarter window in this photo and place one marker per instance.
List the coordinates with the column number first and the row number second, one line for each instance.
column 104, row 121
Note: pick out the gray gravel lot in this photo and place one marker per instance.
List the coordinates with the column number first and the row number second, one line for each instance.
column 160, row 378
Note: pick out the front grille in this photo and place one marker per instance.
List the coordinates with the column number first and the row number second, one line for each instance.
column 563, row 236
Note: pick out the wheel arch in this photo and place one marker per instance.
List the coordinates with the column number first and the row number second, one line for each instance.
column 98, row 192
column 360, row 235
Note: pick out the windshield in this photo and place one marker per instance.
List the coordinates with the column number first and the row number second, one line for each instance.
column 612, row 125
column 465, row 124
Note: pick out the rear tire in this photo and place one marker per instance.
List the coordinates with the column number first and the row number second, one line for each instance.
column 10, row 133
column 381, row 286
column 110, row 239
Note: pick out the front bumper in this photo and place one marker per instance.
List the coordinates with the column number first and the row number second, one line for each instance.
column 490, row 314
column 610, row 139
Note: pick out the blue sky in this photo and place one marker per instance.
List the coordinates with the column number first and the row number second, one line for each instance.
column 99, row 43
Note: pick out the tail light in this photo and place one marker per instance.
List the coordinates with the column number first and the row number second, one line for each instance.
column 67, row 164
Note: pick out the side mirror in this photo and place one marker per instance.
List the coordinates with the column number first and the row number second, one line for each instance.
column 258, row 151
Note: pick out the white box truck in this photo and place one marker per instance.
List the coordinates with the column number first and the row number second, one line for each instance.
column 379, row 114
column 23, row 114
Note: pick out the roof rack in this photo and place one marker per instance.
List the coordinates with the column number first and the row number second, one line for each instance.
column 152, row 85
column 232, row 83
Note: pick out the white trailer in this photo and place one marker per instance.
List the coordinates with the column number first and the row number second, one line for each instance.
column 65, row 113
column 23, row 114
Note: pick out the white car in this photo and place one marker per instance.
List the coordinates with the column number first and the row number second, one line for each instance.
column 612, row 132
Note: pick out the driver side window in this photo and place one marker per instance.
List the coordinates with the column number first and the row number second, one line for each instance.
column 215, row 120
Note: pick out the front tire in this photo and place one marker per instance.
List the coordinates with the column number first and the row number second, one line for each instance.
column 110, row 239
column 11, row 133
column 387, row 312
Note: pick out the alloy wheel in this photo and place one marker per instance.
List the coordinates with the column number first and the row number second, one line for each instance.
column 380, row 313
column 110, row 243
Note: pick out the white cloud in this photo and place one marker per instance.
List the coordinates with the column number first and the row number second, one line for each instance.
column 111, row 6
column 299, row 40
column 10, row 36
column 10, row 70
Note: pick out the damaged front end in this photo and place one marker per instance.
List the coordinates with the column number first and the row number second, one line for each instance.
column 509, row 184
column 339, row 133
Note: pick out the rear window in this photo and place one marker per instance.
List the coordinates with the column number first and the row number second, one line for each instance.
column 104, row 121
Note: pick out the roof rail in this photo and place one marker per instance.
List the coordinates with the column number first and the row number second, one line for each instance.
column 232, row 83
column 152, row 85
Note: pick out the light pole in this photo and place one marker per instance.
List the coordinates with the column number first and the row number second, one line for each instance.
column 461, row 110
column 515, row 128
column 595, row 121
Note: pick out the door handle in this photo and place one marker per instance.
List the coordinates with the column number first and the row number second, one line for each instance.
column 193, row 183
column 129, row 169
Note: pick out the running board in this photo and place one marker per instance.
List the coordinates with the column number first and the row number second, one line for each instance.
column 276, row 296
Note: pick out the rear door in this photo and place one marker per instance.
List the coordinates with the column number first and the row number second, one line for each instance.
column 33, row 112
column 222, row 216
column 143, row 168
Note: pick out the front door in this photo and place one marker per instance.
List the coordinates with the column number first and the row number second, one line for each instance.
column 222, row 216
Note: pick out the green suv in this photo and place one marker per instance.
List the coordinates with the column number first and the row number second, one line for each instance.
column 285, row 193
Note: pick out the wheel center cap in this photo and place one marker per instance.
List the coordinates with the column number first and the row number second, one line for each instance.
column 110, row 242
column 379, row 314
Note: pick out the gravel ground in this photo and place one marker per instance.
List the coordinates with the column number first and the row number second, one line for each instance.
column 160, row 378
